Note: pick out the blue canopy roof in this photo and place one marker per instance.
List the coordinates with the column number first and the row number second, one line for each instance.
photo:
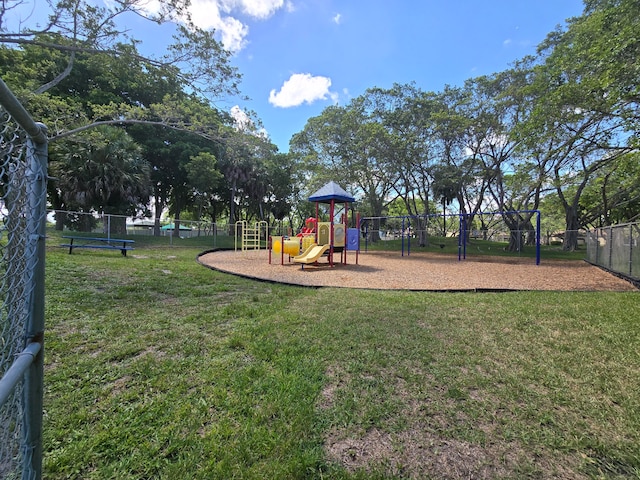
column 331, row 191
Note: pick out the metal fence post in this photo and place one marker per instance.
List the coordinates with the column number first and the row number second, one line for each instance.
column 24, row 170
column 610, row 245
column 631, row 250
column 33, row 387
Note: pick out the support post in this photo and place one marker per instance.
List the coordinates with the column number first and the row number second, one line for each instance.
column 537, row 237
column 630, row 250
column 33, row 386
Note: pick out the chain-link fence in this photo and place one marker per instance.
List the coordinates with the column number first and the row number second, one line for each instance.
column 166, row 231
column 143, row 230
column 23, row 164
column 616, row 248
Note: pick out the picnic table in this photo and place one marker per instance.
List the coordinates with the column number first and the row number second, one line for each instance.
column 98, row 242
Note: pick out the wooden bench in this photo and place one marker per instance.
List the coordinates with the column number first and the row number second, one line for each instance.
column 99, row 242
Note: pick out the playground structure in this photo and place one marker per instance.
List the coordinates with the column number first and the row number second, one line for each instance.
column 321, row 238
column 334, row 236
column 292, row 245
column 406, row 228
column 250, row 238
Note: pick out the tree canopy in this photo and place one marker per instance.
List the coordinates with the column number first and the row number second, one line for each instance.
column 82, row 71
column 561, row 124
column 556, row 131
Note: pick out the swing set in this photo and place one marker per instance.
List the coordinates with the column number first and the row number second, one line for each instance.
column 465, row 222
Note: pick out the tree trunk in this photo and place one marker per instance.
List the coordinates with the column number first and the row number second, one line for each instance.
column 156, row 225
column 516, row 238
column 531, row 233
column 232, row 211
column 570, row 240
column 444, row 218
column 176, row 222
column 60, row 218
column 157, row 213
column 86, row 222
column 423, row 236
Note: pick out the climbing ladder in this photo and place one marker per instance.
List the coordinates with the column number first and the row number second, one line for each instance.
column 249, row 238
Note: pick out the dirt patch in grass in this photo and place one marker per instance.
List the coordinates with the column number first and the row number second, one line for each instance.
column 418, row 453
column 422, row 271
column 120, row 385
column 421, row 450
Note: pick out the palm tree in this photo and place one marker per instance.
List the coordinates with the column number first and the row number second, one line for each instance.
column 446, row 185
column 104, row 172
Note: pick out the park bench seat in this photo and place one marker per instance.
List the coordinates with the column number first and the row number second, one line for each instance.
column 98, row 242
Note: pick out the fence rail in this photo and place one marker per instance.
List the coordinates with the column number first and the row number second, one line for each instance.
column 168, row 230
column 23, row 174
column 616, row 248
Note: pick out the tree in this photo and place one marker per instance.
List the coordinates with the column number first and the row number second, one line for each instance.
column 101, row 172
column 80, row 27
column 283, row 188
column 168, row 150
column 83, row 69
column 101, row 84
column 588, row 99
column 446, row 187
column 460, row 121
column 343, row 144
column 495, row 111
column 237, row 164
column 207, row 181
column 612, row 196
column 180, row 150
column 411, row 149
column 598, row 54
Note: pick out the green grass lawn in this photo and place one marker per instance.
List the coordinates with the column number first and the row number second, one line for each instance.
column 157, row 367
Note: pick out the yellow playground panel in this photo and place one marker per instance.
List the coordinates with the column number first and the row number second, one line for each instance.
column 307, row 241
column 291, row 246
column 324, row 234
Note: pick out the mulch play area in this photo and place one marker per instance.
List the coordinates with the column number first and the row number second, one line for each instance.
column 422, row 271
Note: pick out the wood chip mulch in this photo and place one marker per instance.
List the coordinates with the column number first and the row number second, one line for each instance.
column 421, row 271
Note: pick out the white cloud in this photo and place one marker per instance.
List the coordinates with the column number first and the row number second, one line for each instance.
column 302, row 88
column 337, row 19
column 507, row 42
column 206, row 15
column 244, row 123
column 240, row 117
column 259, row 9
column 221, row 15
column 233, row 33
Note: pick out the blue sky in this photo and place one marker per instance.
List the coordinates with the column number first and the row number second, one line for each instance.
column 300, row 56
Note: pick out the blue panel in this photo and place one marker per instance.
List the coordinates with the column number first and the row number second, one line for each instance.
column 353, row 239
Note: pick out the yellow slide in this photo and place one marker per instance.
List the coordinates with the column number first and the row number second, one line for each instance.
column 306, row 250
column 312, row 254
